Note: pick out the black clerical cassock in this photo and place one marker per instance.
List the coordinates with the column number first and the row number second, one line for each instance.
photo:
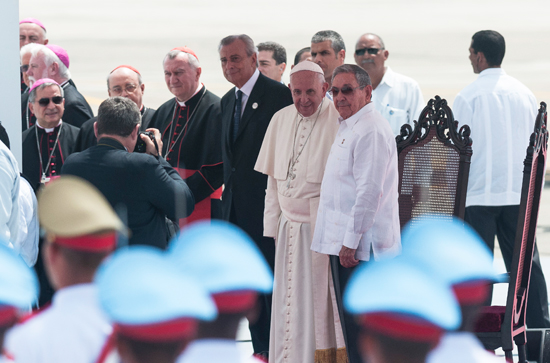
column 77, row 109
column 191, row 137
column 45, row 151
column 86, row 136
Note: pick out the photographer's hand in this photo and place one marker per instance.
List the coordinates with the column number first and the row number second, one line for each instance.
column 150, row 146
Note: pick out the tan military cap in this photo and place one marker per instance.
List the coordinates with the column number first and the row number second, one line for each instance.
column 71, row 207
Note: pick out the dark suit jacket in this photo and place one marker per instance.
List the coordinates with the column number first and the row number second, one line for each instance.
column 77, row 109
column 244, row 192
column 86, row 136
column 147, row 186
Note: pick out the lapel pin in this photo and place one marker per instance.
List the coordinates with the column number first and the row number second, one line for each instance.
column 254, row 105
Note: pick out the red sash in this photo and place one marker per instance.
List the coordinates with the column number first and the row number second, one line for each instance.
column 202, row 208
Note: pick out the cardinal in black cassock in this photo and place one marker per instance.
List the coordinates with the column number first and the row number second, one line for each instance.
column 191, row 133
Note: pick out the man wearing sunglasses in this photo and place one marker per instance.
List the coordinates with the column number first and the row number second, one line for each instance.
column 358, row 216
column 47, row 144
column 52, row 61
column 31, row 31
column 397, row 97
column 124, row 81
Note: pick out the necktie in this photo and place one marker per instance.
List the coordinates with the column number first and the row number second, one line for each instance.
column 237, row 114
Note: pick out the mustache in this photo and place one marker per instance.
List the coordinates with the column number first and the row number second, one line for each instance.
column 365, row 61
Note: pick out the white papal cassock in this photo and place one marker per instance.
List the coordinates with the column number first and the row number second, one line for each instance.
column 305, row 326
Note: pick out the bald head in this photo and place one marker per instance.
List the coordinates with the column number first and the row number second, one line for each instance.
column 125, row 82
column 31, row 33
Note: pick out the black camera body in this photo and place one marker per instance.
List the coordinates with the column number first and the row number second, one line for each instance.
column 140, row 144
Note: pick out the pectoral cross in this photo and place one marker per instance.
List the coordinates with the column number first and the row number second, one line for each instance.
column 291, row 176
column 44, row 179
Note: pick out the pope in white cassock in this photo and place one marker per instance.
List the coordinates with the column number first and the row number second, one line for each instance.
column 305, row 326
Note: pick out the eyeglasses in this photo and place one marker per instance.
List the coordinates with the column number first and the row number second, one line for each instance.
column 346, row 90
column 371, row 51
column 129, row 88
column 24, row 68
column 44, row 102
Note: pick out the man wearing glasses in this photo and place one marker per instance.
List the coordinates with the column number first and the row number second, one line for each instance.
column 47, row 144
column 358, row 216
column 123, row 81
column 397, row 97
column 31, row 31
column 52, row 61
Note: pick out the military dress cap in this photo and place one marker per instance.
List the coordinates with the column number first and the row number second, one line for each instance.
column 76, row 215
column 60, row 53
column 33, row 21
column 18, row 285
column 41, row 82
column 148, row 299
column 455, row 253
column 396, row 298
column 225, row 260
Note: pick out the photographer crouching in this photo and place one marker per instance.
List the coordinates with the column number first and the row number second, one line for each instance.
column 141, row 182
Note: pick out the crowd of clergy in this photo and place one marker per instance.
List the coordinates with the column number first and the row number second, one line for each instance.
column 141, row 235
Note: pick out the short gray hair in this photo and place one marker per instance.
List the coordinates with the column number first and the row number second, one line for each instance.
column 32, row 94
column 117, row 116
column 191, row 59
column 250, row 48
column 361, row 76
column 28, row 48
column 336, row 40
column 50, row 58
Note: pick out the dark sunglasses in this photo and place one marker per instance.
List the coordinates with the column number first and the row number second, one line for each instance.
column 371, row 51
column 346, row 90
column 46, row 101
column 24, row 68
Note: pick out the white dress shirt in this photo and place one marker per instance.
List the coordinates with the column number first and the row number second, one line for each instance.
column 399, row 99
column 9, row 196
column 358, row 206
column 73, row 329
column 214, row 351
column 501, row 113
column 461, row 347
column 247, row 89
column 27, row 238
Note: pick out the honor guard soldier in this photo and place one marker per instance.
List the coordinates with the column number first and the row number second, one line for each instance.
column 81, row 230
column 154, row 308
column 234, row 273
column 402, row 310
column 18, row 291
column 455, row 253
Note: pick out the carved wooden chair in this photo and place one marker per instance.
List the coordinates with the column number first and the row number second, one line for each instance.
column 434, row 164
column 501, row 326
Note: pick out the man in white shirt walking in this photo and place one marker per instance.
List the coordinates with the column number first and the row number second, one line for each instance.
column 397, row 97
column 358, row 212
column 501, row 113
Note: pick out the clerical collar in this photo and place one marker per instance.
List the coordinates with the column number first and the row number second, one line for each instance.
column 62, row 85
column 48, row 130
column 182, row 104
column 249, row 85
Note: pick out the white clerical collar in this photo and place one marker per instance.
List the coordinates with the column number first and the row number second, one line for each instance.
column 48, row 130
column 63, row 84
column 182, row 104
column 247, row 88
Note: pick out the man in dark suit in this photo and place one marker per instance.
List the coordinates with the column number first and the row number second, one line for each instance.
column 52, row 61
column 144, row 183
column 246, row 111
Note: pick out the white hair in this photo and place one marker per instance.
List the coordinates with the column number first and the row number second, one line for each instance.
column 191, row 59
column 50, row 58
column 28, row 48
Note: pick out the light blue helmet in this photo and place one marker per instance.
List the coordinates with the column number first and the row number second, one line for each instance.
column 397, row 298
column 18, row 285
column 148, row 298
column 224, row 259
